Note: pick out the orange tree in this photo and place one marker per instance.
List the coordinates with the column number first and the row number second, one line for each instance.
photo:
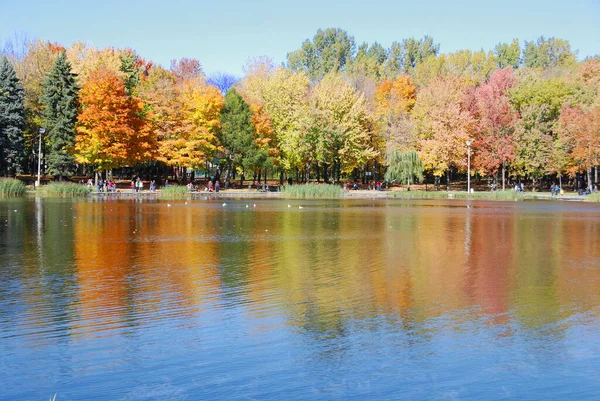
column 112, row 131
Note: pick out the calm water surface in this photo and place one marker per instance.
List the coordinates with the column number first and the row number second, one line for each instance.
column 340, row 300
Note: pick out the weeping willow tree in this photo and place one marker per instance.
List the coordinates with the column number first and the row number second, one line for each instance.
column 404, row 167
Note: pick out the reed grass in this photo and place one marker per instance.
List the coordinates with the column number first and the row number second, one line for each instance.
column 11, row 187
column 313, row 191
column 174, row 191
column 65, row 189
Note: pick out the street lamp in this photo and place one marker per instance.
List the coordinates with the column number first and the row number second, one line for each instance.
column 469, row 167
column 42, row 130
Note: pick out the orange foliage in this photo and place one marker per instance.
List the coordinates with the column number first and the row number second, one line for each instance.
column 111, row 131
column 396, row 97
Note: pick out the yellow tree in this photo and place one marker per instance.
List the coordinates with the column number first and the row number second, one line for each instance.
column 283, row 95
column 394, row 101
column 341, row 125
column 443, row 125
column 185, row 116
column 111, row 132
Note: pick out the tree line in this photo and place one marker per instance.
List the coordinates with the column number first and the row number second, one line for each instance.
column 334, row 110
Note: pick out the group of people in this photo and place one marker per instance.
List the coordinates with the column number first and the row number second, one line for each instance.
column 104, row 186
column 212, row 187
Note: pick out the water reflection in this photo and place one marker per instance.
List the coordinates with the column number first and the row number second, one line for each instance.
column 334, row 288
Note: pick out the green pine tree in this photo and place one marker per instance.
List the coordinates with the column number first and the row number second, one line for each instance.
column 128, row 66
column 60, row 100
column 12, row 119
column 237, row 133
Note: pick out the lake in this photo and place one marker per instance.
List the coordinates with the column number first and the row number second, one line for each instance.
column 145, row 299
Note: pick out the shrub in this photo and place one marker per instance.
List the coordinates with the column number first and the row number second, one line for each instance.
column 65, row 189
column 11, row 187
column 313, row 191
column 174, row 190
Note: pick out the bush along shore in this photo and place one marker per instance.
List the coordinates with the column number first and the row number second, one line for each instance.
column 64, row 189
column 11, row 187
column 312, row 191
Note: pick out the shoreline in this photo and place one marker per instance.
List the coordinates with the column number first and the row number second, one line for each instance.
column 354, row 194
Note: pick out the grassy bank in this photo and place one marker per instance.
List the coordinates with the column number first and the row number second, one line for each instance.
column 11, row 187
column 496, row 195
column 65, row 189
column 595, row 197
column 312, row 191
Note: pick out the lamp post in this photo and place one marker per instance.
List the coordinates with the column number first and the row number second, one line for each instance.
column 42, row 130
column 469, row 167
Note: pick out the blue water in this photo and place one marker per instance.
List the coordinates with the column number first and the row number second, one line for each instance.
column 339, row 300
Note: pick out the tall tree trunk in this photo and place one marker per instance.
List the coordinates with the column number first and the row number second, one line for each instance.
column 281, row 178
column 448, row 180
column 589, row 174
column 503, row 175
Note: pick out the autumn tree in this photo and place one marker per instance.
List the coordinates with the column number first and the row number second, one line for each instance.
column 111, row 132
column 184, row 116
column 534, row 142
column 581, row 132
column 443, row 125
column 344, row 126
column 86, row 60
column 283, row 94
column 494, row 119
column 60, row 99
column 12, row 118
column 394, row 101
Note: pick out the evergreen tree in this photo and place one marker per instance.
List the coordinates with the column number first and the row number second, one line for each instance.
column 128, row 66
column 237, row 132
column 60, row 100
column 12, row 118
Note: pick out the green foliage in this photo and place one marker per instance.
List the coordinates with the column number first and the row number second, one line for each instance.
column 12, row 118
column 313, row 191
column 508, row 55
column 535, row 89
column 237, row 132
column 11, row 187
column 550, row 52
column 65, row 189
column 403, row 57
column 404, row 167
column 174, row 191
column 129, row 67
column 331, row 50
column 60, row 100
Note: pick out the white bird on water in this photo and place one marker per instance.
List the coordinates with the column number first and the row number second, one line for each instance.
column 254, row 205
column 300, row 207
column 169, row 205
column 247, row 206
column 224, row 204
column 289, row 205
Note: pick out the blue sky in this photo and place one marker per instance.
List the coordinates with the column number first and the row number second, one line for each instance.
column 223, row 35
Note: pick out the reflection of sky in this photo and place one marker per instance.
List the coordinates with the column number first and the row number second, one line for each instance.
column 332, row 302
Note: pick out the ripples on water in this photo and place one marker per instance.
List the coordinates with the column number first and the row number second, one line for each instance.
column 130, row 300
